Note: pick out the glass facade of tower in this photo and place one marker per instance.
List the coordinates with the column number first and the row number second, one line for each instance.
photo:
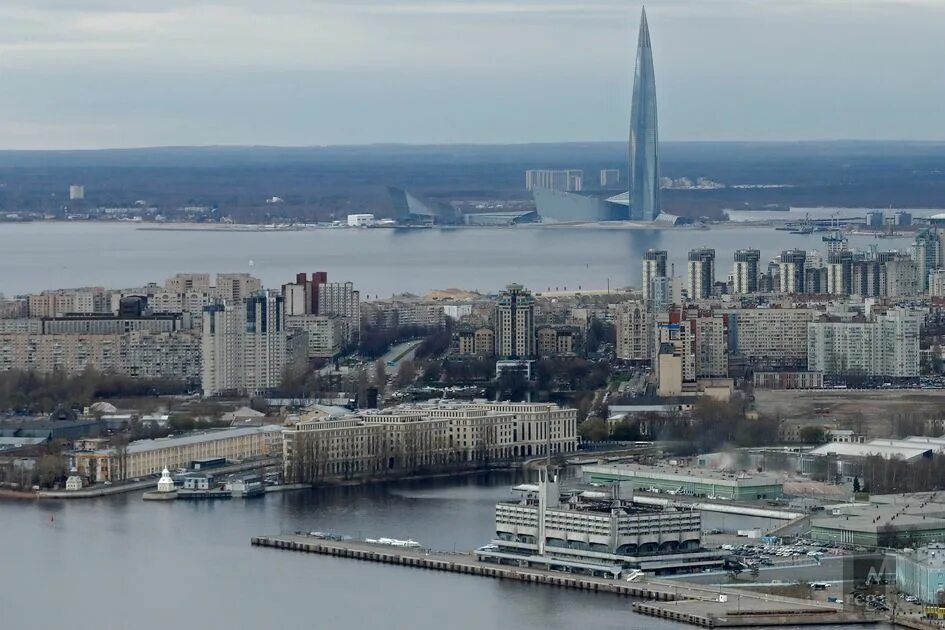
column 644, row 149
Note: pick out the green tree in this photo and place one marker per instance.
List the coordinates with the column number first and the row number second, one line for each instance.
column 406, row 373
column 593, row 430
column 813, row 435
column 856, row 484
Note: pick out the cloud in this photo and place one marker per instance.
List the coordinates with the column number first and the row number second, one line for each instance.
column 103, row 72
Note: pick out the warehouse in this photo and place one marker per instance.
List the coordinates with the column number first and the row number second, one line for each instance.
column 693, row 482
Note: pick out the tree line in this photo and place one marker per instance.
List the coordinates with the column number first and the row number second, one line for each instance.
column 28, row 391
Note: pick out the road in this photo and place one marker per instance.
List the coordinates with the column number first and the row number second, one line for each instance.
column 398, row 354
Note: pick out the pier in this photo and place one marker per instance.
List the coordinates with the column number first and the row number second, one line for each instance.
column 694, row 604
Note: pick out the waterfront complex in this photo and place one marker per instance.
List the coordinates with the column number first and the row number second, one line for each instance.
column 595, row 532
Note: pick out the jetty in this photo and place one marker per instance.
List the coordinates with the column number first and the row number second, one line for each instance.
column 706, row 606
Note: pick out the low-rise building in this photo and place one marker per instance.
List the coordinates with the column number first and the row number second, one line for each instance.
column 692, row 482
column 150, row 457
column 595, row 532
column 900, row 520
column 431, row 436
column 921, row 573
column 788, row 380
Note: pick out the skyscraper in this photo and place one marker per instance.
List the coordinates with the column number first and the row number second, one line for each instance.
column 745, row 271
column 644, row 152
column 791, row 268
column 654, row 266
column 244, row 345
column 701, row 273
column 515, row 323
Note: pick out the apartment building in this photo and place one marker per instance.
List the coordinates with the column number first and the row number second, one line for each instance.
column 769, row 335
column 188, row 283
column 326, row 334
column 390, row 314
column 150, row 457
column 634, row 329
column 515, row 323
column 244, row 345
column 427, row 436
column 139, row 354
column 234, row 287
column 887, row 346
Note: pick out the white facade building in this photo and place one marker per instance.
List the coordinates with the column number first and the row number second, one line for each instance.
column 888, row 346
column 360, row 220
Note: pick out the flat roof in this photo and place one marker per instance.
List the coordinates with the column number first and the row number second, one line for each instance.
column 143, row 446
column 886, row 448
column 921, row 511
column 683, row 474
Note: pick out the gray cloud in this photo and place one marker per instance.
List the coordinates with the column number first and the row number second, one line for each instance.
column 108, row 72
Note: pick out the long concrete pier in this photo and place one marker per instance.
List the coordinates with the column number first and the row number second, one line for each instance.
column 675, row 600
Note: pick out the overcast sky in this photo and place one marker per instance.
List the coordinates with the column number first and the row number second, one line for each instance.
column 125, row 73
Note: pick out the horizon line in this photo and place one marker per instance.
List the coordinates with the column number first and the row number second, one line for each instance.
column 158, row 147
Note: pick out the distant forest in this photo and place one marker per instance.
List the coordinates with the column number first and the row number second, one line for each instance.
column 320, row 183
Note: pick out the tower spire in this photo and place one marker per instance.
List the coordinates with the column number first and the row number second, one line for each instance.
column 644, row 39
column 644, row 145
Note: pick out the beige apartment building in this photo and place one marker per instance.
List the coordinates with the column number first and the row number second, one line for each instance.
column 150, row 457
column 140, row 354
column 411, row 438
column 634, row 332
column 769, row 333
column 235, row 287
column 325, row 334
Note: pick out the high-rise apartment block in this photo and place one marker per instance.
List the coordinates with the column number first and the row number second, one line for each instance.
column 188, row 283
column 839, row 272
column 571, row 180
column 887, row 346
column 901, row 276
column 634, row 328
column 937, row 283
column 234, row 287
column 775, row 337
column 609, row 178
column 701, row 273
column 654, row 266
column 927, row 254
column 745, row 271
column 244, row 345
column 791, row 268
column 515, row 323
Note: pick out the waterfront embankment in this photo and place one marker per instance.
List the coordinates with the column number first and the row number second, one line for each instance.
column 146, row 484
column 707, row 606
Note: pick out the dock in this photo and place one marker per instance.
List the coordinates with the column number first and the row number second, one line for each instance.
column 705, row 606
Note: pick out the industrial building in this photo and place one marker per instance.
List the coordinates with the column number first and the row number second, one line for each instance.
column 893, row 520
column 692, row 482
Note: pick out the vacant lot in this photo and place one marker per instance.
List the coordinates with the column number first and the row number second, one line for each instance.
column 877, row 413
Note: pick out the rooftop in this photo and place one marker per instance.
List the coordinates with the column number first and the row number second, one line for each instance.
column 143, row 446
column 909, row 448
column 923, row 510
column 683, row 474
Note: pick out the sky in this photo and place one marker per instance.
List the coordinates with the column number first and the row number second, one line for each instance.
column 83, row 74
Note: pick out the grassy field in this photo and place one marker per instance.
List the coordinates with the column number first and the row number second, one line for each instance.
column 878, row 413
